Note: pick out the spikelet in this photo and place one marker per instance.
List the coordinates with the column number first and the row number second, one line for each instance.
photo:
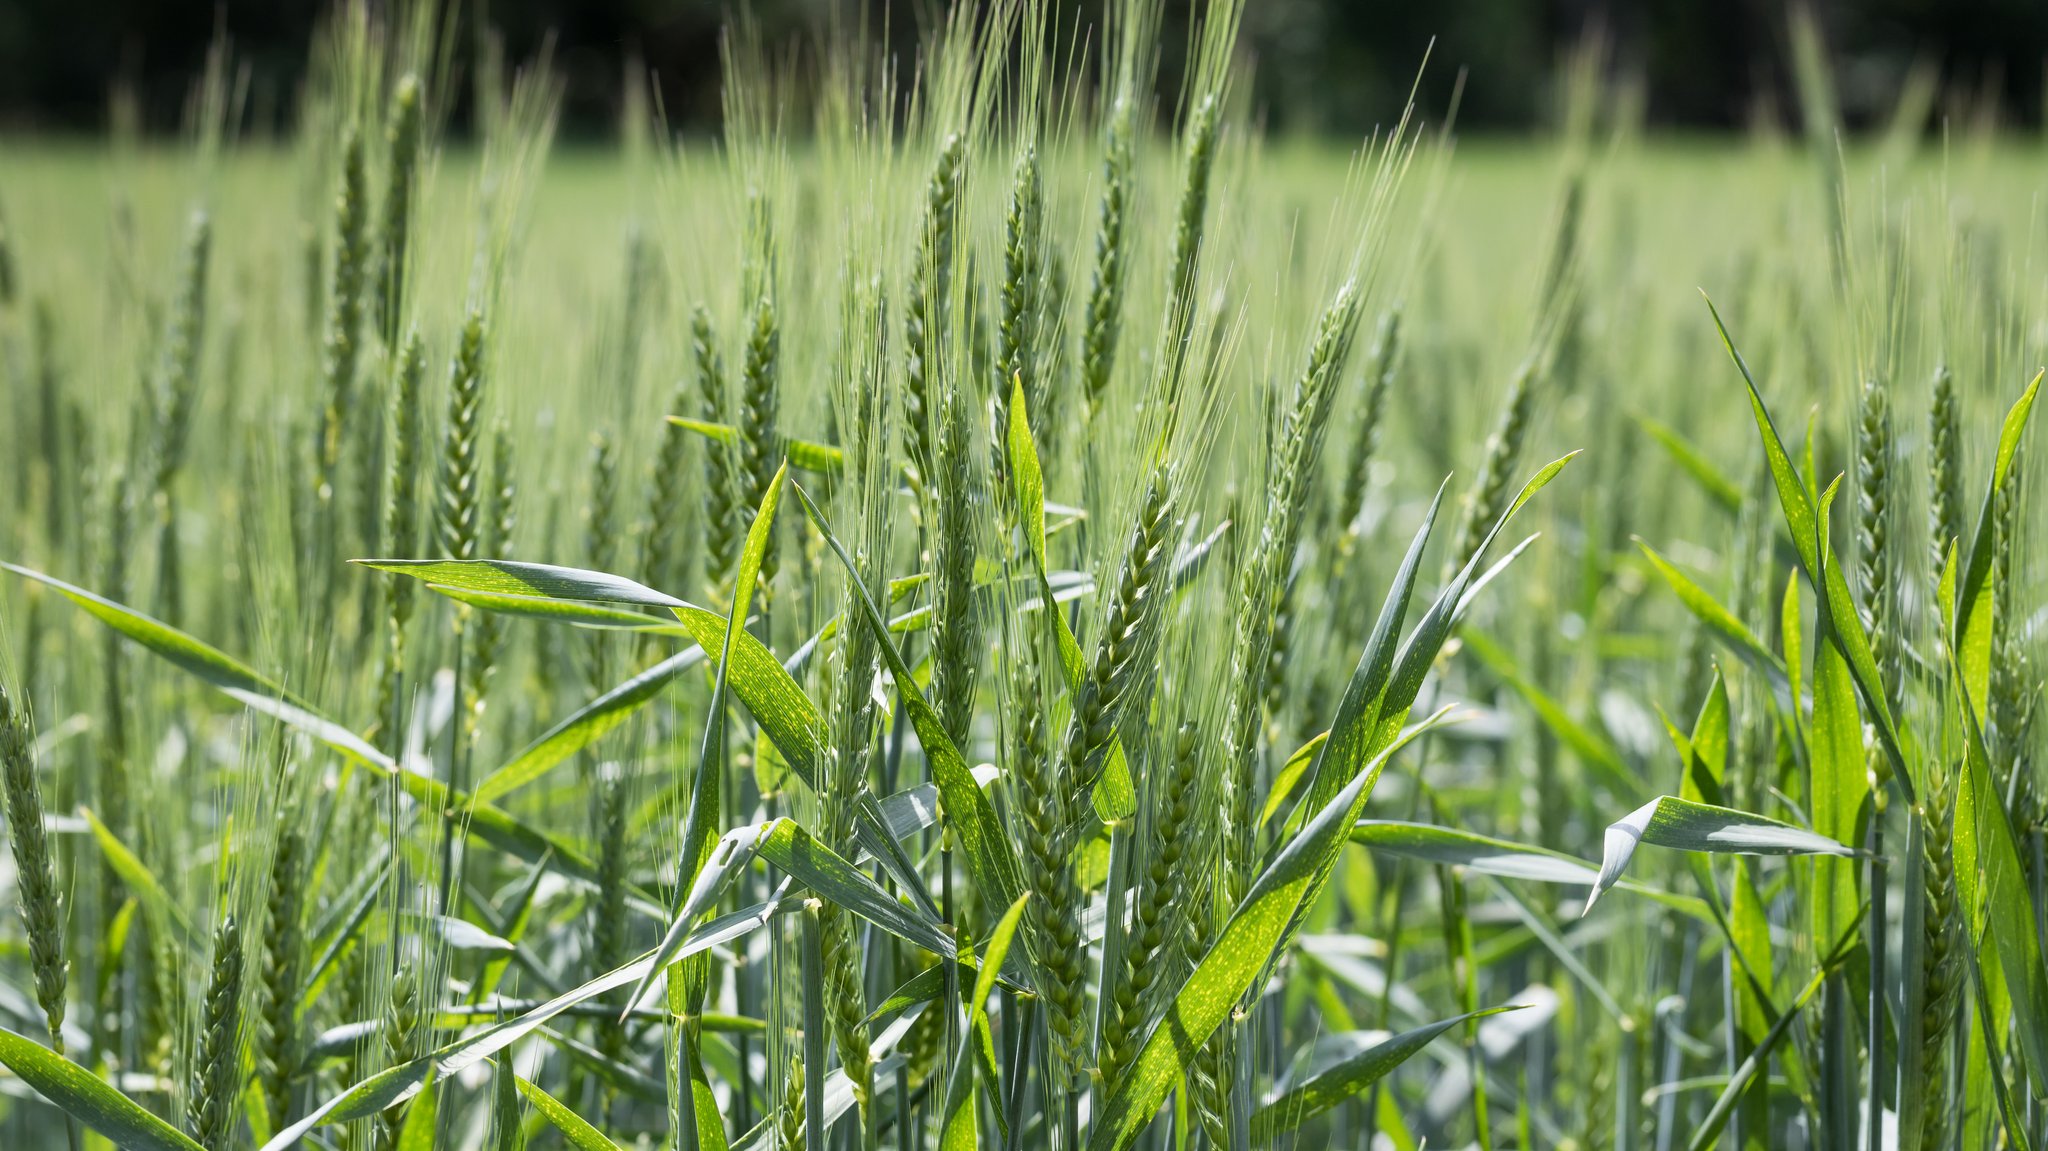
column 1383, row 358
column 600, row 547
column 1487, row 497
column 722, row 527
column 401, row 1039
column 210, row 1110
column 956, row 621
column 1104, row 322
column 1941, row 954
column 666, row 483
column 1128, row 636
column 1019, row 310
column 277, row 1041
column 501, row 521
column 1190, row 224
column 760, row 449
column 402, row 138
column 1298, row 440
column 1874, row 562
column 457, row 504
column 1945, row 469
column 342, row 343
column 2013, row 683
column 789, row 1112
column 927, row 306
column 42, row 910
column 401, row 521
column 1159, row 912
column 172, row 400
column 608, row 911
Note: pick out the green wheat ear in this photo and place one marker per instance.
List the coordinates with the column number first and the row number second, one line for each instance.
column 402, row 139
column 401, row 1038
column 35, row 875
column 1019, row 308
column 1874, row 560
column 1105, row 307
column 342, row 344
column 1945, row 468
column 458, row 502
column 927, row 307
column 722, row 495
column 277, row 1042
column 1941, row 951
column 217, row 1061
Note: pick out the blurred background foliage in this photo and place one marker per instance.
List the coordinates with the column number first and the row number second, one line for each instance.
column 1334, row 67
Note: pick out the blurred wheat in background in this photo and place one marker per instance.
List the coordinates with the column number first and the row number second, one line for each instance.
column 991, row 605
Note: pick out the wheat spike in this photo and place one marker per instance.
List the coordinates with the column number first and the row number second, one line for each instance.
column 42, row 911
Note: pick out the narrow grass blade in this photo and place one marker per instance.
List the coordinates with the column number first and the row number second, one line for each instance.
column 1992, row 888
column 1256, row 930
column 1113, row 794
column 990, row 857
column 1726, row 627
column 1723, row 491
column 395, row 1085
column 574, row 1128
column 700, row 820
column 1797, row 499
column 88, row 1098
column 805, row 455
column 584, row 727
column 1333, row 1085
column 1593, row 748
column 1709, row 1128
column 975, row 1060
column 1975, row 597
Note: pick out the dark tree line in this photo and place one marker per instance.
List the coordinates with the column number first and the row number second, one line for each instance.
column 1337, row 66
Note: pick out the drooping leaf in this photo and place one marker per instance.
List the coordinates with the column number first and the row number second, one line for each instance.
column 1719, row 488
column 89, row 1099
column 1669, row 821
column 238, row 681
column 520, row 578
column 807, row 455
column 574, row 1128
column 1334, row 1084
column 395, row 1085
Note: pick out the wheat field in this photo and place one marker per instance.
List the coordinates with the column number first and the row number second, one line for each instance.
column 989, row 604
